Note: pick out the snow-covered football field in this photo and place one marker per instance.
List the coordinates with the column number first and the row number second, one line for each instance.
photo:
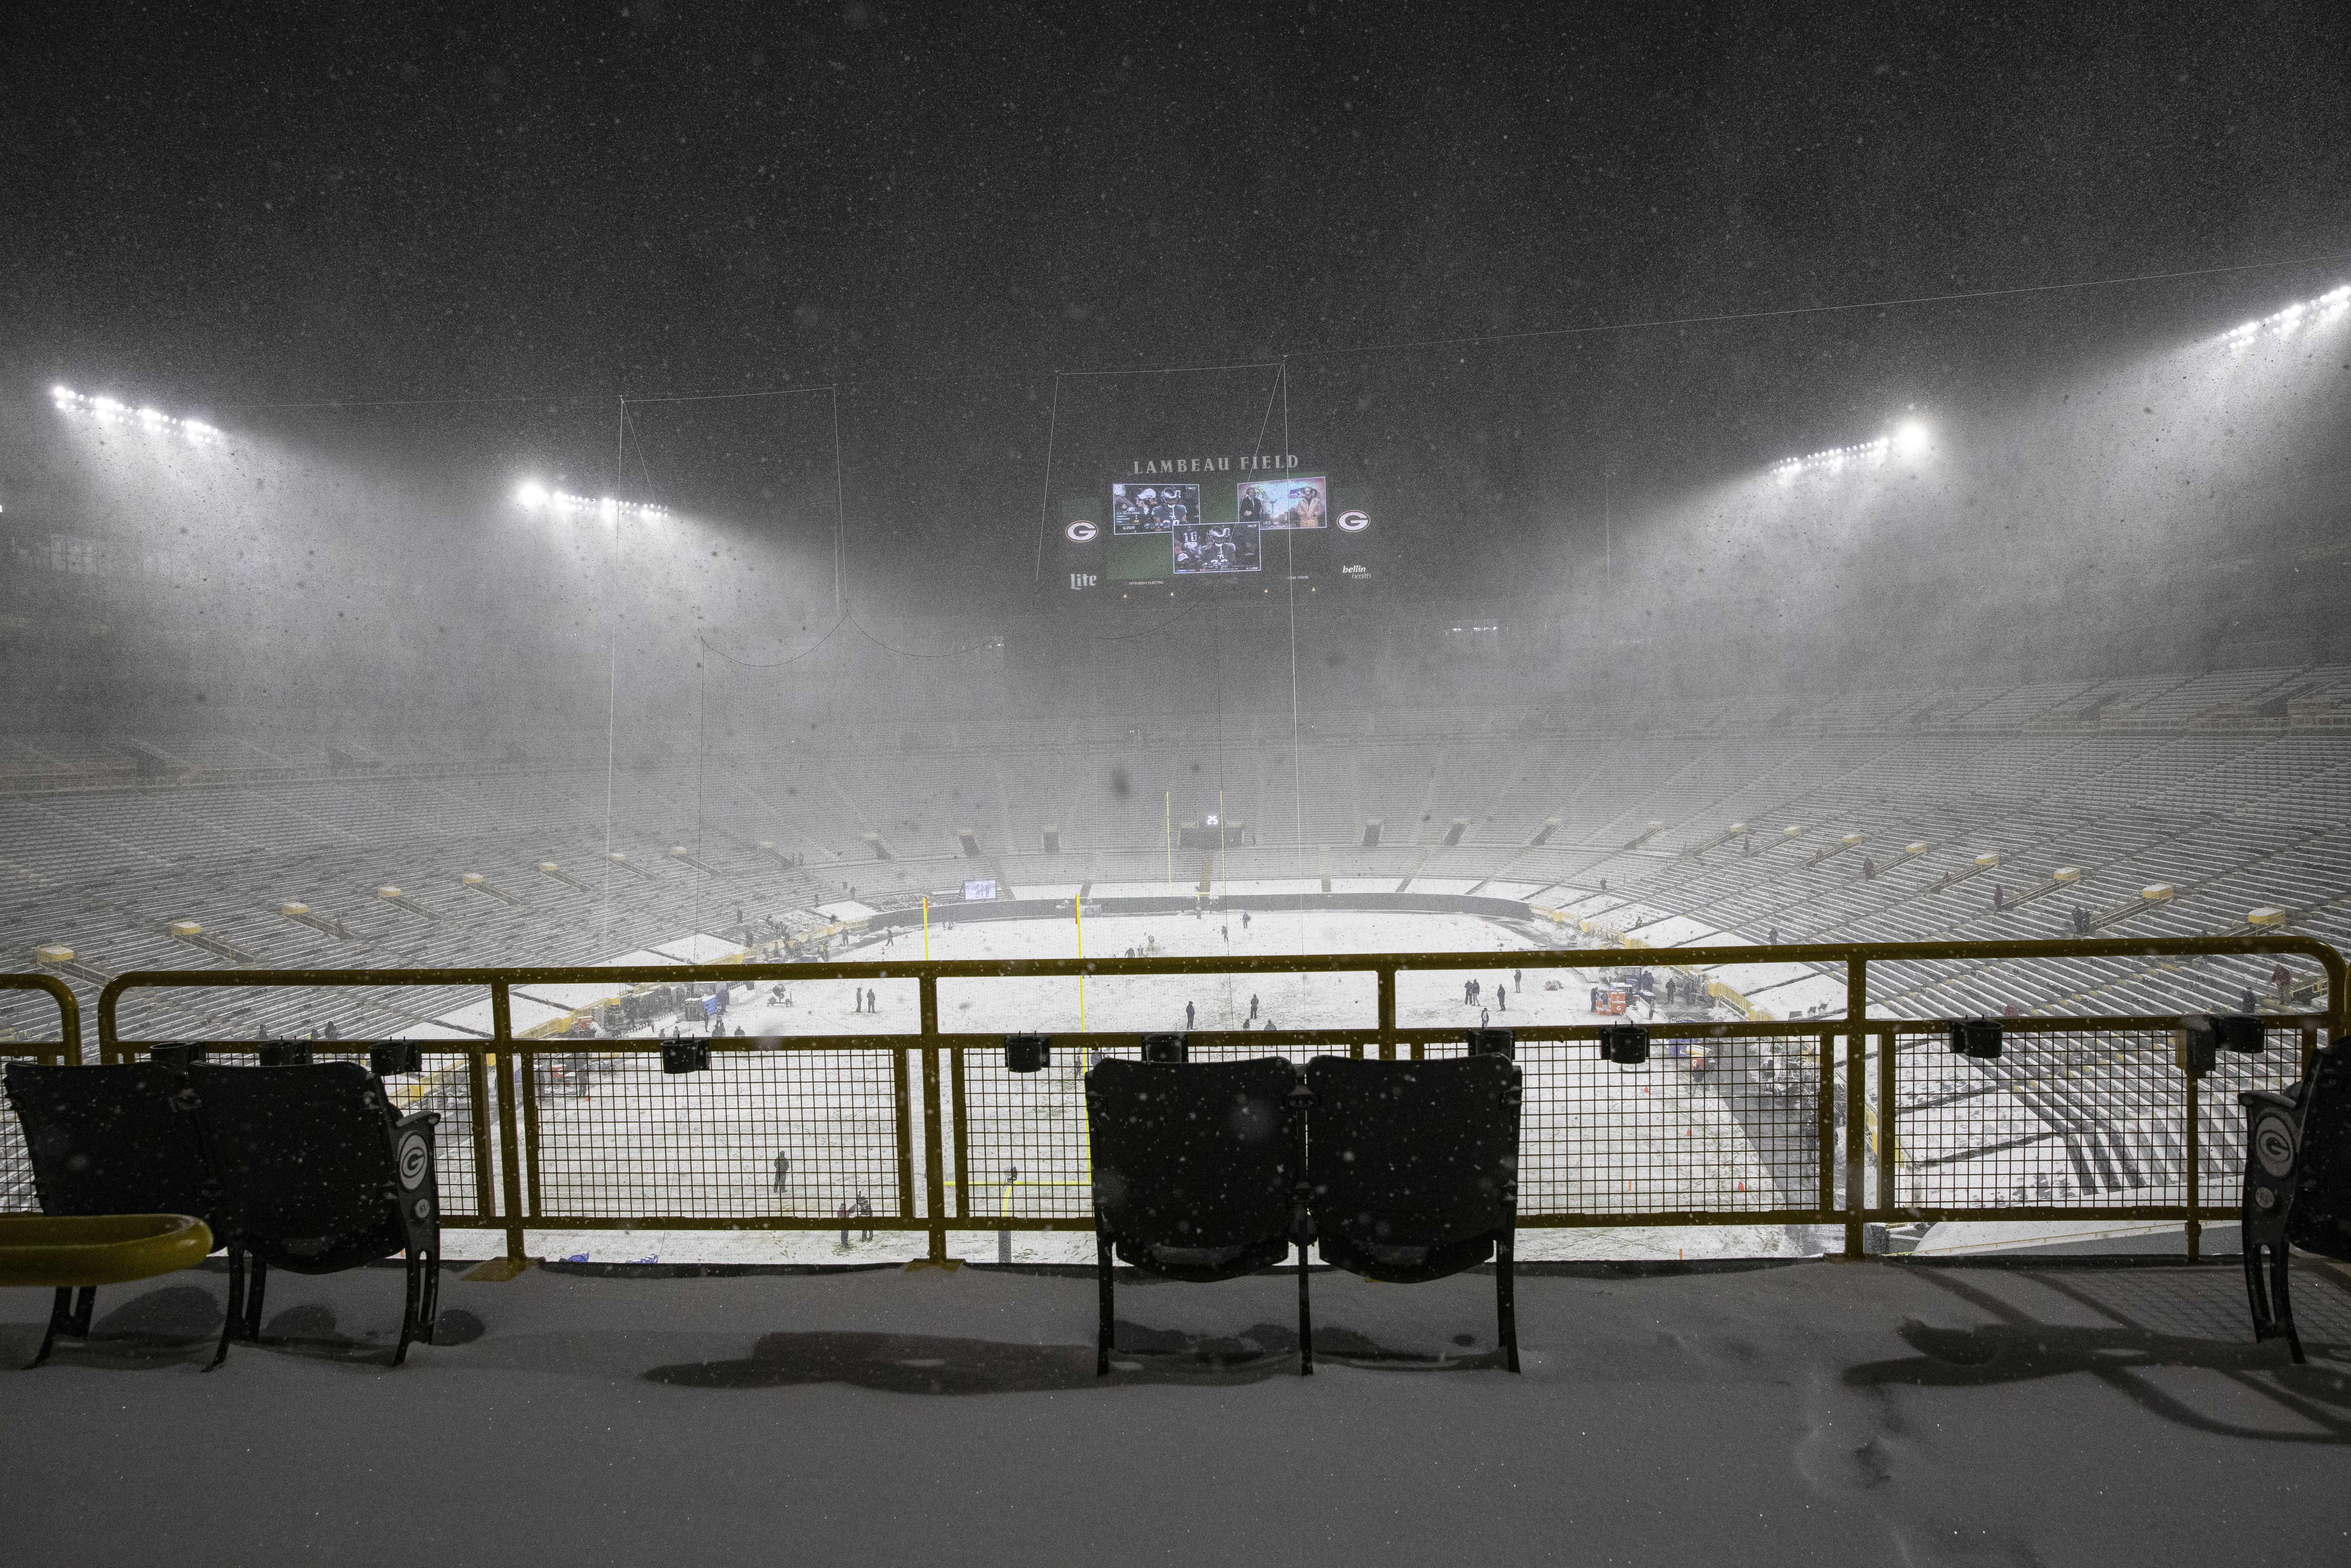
column 621, row 1140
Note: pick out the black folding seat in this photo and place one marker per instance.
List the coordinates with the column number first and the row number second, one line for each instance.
column 1195, row 1175
column 110, row 1140
column 1412, row 1170
column 2297, row 1184
column 318, row 1174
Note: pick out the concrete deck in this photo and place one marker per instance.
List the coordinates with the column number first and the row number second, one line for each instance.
column 1812, row 1413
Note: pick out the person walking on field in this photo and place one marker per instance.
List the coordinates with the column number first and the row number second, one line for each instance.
column 1252, row 1007
column 1187, row 1015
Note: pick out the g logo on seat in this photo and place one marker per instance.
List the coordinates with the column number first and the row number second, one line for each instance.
column 2273, row 1146
column 415, row 1160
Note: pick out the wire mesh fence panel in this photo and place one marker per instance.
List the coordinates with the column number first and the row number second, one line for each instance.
column 1717, row 1123
column 1025, row 1137
column 1724, row 1125
column 17, row 1194
column 2221, row 1131
column 443, row 1084
column 2077, row 1118
column 788, row 1133
column 1025, row 1149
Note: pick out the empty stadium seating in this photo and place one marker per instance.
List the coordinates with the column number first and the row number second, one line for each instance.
column 2231, row 791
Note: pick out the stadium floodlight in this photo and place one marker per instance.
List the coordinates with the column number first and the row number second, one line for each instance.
column 534, row 496
column 1910, row 439
column 2328, row 307
column 107, row 411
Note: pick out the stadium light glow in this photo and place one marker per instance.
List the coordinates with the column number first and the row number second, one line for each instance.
column 534, row 496
column 2328, row 307
column 107, row 411
column 1910, row 439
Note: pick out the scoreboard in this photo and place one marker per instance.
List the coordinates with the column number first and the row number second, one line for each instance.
column 1177, row 527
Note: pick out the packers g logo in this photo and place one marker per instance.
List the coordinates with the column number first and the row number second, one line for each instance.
column 1354, row 522
column 2273, row 1146
column 413, row 1160
column 1081, row 533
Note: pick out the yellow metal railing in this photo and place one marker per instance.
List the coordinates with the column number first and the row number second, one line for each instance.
column 69, row 1015
column 578, row 1135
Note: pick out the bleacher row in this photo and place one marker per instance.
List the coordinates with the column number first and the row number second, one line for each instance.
column 1944, row 815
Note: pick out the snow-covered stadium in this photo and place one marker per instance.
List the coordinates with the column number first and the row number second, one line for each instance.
column 870, row 783
column 2138, row 810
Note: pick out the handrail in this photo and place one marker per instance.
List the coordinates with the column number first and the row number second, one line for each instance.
column 1849, row 1115
column 69, row 1010
column 1857, row 955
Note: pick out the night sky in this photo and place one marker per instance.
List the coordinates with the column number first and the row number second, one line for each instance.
column 938, row 207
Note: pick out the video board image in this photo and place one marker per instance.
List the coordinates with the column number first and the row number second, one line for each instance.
column 1286, row 503
column 1153, row 508
column 1216, row 548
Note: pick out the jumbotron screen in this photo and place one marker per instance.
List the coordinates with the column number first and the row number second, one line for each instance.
column 1161, row 527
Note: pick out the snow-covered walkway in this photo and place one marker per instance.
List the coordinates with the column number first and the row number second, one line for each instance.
column 1822, row 1413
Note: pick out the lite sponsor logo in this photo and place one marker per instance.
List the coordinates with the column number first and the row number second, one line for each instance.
column 1083, row 580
